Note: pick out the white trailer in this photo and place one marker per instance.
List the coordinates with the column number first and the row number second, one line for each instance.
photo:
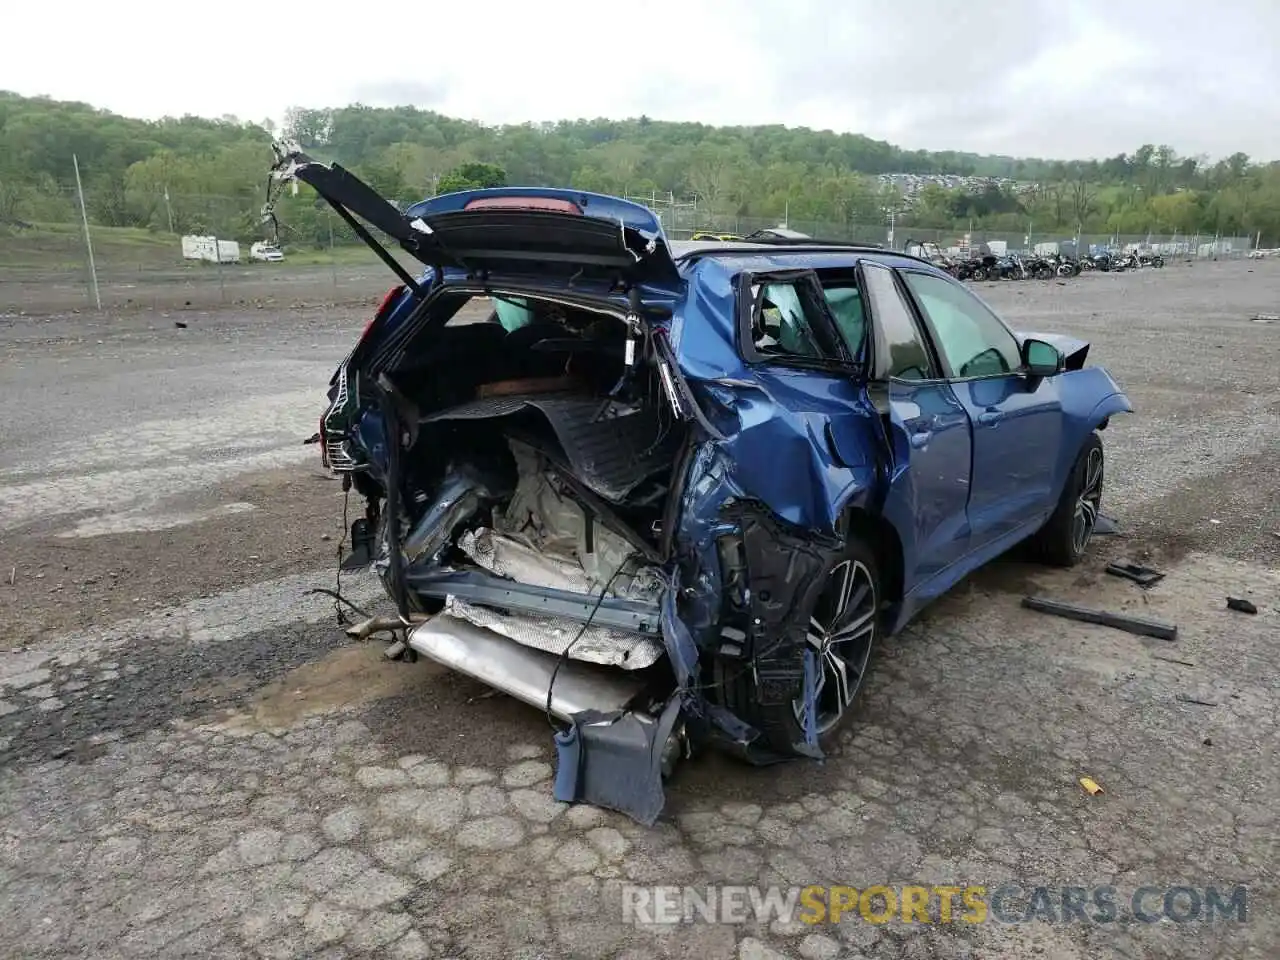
column 211, row 249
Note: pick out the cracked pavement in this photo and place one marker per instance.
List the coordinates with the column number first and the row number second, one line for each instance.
column 228, row 776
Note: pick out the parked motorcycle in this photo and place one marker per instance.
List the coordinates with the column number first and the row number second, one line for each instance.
column 1063, row 266
column 978, row 268
column 1151, row 260
column 1041, row 268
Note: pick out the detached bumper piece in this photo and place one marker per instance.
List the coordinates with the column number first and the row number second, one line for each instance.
column 617, row 760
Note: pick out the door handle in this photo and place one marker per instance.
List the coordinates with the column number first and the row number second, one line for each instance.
column 989, row 418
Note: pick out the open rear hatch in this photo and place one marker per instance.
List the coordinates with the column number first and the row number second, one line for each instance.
column 507, row 231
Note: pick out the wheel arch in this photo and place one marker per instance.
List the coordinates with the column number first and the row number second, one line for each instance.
column 880, row 535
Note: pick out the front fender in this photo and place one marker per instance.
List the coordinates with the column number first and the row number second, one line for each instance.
column 1108, row 407
column 1089, row 398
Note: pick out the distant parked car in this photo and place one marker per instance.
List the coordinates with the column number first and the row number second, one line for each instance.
column 265, row 252
column 703, row 236
column 674, row 494
column 778, row 233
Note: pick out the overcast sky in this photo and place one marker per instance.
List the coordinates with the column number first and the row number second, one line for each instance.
column 1047, row 78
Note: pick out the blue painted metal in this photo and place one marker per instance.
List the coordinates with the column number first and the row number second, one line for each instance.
column 597, row 205
column 970, row 462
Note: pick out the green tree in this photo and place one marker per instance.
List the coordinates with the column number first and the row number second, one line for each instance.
column 472, row 176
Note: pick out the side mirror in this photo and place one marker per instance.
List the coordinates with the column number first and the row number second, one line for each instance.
column 1040, row 359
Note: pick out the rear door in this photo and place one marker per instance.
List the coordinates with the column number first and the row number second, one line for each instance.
column 929, row 434
column 788, row 334
column 1017, row 420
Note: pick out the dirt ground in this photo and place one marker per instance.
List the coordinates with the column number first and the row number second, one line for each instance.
column 193, row 760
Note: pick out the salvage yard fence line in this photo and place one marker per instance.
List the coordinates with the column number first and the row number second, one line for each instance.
column 45, row 259
column 235, row 217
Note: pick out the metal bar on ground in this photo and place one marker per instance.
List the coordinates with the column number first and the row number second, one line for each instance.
column 1138, row 625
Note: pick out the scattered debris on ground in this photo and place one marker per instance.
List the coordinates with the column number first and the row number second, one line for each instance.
column 1105, row 526
column 1143, row 576
column 1183, row 663
column 1091, row 786
column 1070, row 611
column 1241, row 606
column 1185, row 698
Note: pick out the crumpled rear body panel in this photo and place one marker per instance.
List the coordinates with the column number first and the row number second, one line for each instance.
column 611, row 454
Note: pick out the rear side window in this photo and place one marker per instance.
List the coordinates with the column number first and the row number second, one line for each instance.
column 784, row 324
column 845, row 304
column 900, row 351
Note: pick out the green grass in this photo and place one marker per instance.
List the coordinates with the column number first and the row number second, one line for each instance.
column 60, row 247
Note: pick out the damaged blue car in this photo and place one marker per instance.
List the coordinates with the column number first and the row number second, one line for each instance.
column 673, row 494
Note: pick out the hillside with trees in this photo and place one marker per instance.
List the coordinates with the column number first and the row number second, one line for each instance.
column 196, row 174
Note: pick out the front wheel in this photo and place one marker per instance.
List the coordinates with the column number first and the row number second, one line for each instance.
column 1063, row 539
column 843, row 621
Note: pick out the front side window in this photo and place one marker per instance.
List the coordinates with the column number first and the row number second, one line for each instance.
column 970, row 337
column 900, row 350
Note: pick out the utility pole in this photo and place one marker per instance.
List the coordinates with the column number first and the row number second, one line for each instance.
column 168, row 209
column 333, row 265
column 88, row 244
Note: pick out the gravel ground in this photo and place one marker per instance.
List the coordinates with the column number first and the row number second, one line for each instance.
column 194, row 761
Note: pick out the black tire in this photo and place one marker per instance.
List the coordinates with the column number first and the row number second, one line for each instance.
column 1065, row 537
column 783, row 726
column 978, row 274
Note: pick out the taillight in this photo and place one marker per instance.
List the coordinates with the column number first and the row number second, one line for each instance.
column 383, row 307
column 324, row 447
column 550, row 204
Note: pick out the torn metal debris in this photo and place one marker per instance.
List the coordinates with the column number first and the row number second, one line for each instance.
column 1070, row 611
column 1139, row 574
column 1241, row 605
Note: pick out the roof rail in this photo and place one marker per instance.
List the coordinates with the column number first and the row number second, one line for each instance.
column 812, row 242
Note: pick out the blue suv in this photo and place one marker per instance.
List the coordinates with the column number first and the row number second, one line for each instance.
column 672, row 494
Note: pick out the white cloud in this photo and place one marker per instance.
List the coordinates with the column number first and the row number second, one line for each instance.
column 1043, row 77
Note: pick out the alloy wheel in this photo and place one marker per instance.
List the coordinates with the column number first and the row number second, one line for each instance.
column 839, row 639
column 1088, row 503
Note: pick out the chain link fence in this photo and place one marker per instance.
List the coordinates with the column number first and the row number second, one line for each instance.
column 684, row 226
column 133, row 256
